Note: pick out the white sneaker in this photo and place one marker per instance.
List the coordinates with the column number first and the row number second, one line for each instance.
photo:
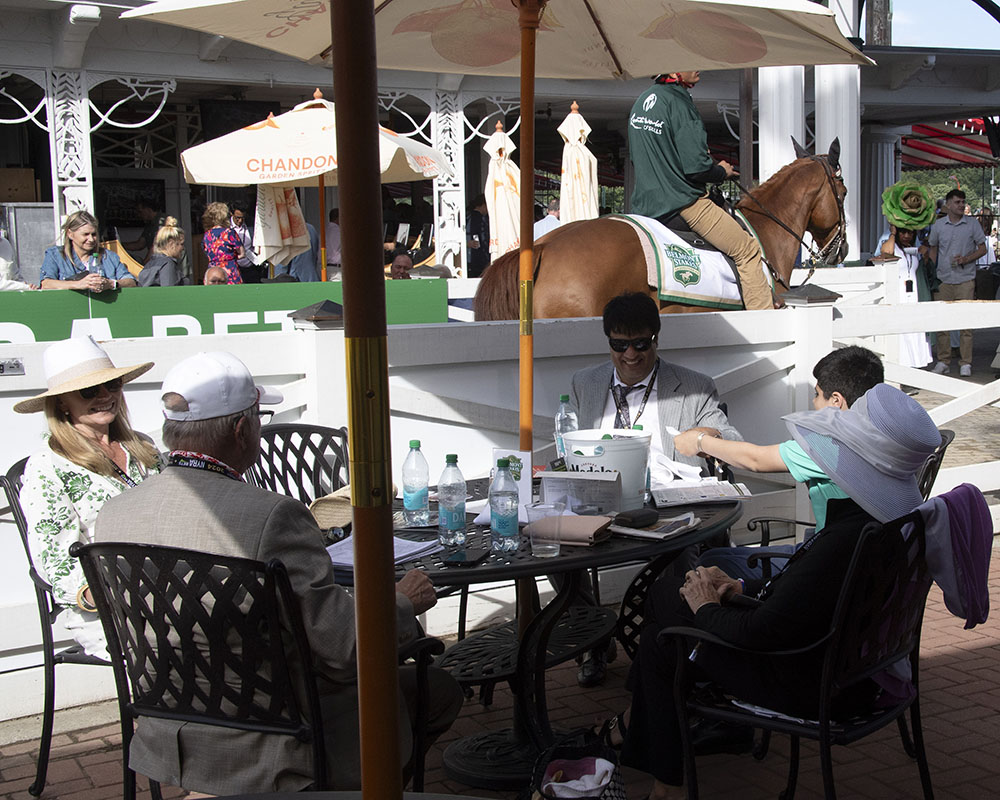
column 941, row 368
column 965, row 370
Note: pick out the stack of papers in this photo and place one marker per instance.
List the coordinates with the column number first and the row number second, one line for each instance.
column 342, row 552
column 664, row 529
column 710, row 490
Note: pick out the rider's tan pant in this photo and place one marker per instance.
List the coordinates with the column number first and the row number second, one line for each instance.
column 720, row 230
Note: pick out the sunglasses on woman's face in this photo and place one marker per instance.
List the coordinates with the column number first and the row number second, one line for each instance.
column 639, row 345
column 113, row 386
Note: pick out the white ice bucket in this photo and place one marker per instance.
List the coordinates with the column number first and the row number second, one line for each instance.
column 627, row 454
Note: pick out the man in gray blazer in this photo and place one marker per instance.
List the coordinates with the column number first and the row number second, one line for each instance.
column 212, row 425
column 638, row 387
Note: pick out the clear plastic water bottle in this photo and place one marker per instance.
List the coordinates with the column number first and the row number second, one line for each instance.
column 416, row 475
column 565, row 423
column 451, row 503
column 503, row 509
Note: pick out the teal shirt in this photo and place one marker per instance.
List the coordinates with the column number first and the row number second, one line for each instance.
column 804, row 470
column 667, row 142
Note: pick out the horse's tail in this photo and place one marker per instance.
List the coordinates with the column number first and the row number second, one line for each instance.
column 497, row 295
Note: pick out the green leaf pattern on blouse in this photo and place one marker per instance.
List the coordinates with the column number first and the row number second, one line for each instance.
column 61, row 501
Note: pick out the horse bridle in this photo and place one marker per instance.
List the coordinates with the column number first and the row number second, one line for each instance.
column 818, row 256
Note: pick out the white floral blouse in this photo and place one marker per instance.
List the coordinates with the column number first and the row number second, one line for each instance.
column 61, row 500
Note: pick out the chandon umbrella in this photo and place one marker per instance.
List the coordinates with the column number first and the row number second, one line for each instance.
column 411, row 35
column 578, row 192
column 503, row 194
column 299, row 148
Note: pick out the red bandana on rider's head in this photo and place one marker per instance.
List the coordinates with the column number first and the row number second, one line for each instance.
column 668, row 79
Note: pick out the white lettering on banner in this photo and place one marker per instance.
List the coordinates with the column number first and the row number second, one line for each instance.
column 276, row 317
column 646, row 124
column 229, row 319
column 164, row 323
column 99, row 328
column 16, row 333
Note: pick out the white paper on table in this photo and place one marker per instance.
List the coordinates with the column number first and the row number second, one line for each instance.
column 664, row 471
column 342, row 552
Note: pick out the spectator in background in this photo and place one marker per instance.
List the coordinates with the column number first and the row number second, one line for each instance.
column 477, row 230
column 247, row 264
column 162, row 268
column 81, row 262
column 152, row 221
column 10, row 274
column 215, row 276
column 550, row 221
column 221, row 243
column 401, row 266
column 333, row 245
column 305, row 266
column 957, row 241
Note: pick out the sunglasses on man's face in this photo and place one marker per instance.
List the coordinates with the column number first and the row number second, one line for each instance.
column 91, row 392
column 639, row 345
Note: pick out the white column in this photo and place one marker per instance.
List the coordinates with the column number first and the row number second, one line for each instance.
column 838, row 115
column 448, row 134
column 878, row 171
column 69, row 143
column 781, row 115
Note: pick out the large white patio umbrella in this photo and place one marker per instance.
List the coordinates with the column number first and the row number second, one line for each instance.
column 658, row 35
column 578, row 189
column 299, row 148
column 503, row 194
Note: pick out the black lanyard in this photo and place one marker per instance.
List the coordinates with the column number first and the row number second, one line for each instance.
column 624, row 413
column 122, row 476
column 192, row 460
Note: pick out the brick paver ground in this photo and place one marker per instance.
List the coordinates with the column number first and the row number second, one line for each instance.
column 960, row 683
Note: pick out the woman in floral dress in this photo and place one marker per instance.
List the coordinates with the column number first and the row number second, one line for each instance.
column 222, row 244
column 91, row 454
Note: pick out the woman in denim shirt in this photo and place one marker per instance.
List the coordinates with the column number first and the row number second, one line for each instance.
column 81, row 262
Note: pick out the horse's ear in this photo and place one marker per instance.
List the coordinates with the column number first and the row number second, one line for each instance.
column 800, row 151
column 833, row 157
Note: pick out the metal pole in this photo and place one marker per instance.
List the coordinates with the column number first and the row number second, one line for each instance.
column 746, row 127
column 355, row 90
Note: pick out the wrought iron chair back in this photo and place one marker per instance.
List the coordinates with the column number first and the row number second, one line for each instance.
column 929, row 471
column 301, row 461
column 48, row 611
column 202, row 638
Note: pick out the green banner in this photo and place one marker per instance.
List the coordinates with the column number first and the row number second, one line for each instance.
column 195, row 310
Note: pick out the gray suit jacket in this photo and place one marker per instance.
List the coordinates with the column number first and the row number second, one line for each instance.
column 685, row 399
column 207, row 511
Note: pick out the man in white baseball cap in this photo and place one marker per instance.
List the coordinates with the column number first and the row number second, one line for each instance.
column 211, row 406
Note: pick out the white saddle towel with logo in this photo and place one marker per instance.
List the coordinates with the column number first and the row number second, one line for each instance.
column 682, row 274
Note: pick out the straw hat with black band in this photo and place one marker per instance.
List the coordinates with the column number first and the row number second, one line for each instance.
column 75, row 364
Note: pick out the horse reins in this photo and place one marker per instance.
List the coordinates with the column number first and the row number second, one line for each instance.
column 819, row 255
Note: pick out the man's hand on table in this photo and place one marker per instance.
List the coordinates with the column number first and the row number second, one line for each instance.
column 704, row 585
column 419, row 589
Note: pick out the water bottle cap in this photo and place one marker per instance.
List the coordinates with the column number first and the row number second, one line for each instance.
column 503, row 463
column 564, row 398
column 637, row 427
column 415, row 444
column 451, row 458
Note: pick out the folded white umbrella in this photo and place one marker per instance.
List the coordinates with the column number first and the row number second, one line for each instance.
column 578, row 192
column 503, row 194
column 280, row 233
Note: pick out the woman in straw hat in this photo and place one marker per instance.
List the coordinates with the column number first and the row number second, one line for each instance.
column 873, row 452
column 92, row 454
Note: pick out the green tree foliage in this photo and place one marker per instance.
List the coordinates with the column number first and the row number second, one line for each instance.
column 975, row 182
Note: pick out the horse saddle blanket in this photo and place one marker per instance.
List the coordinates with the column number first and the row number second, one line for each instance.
column 682, row 272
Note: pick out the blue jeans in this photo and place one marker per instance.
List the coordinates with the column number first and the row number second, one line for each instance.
column 733, row 560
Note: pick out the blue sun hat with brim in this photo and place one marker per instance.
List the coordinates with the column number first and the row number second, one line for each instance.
column 873, row 451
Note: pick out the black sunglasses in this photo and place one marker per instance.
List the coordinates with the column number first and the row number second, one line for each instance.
column 113, row 386
column 639, row 345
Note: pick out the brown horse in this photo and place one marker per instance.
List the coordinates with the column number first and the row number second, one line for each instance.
column 581, row 265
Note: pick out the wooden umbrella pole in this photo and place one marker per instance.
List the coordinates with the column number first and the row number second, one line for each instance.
column 322, row 229
column 355, row 89
column 528, row 19
column 530, row 11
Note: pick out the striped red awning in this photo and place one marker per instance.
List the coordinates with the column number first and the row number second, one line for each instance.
column 947, row 144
